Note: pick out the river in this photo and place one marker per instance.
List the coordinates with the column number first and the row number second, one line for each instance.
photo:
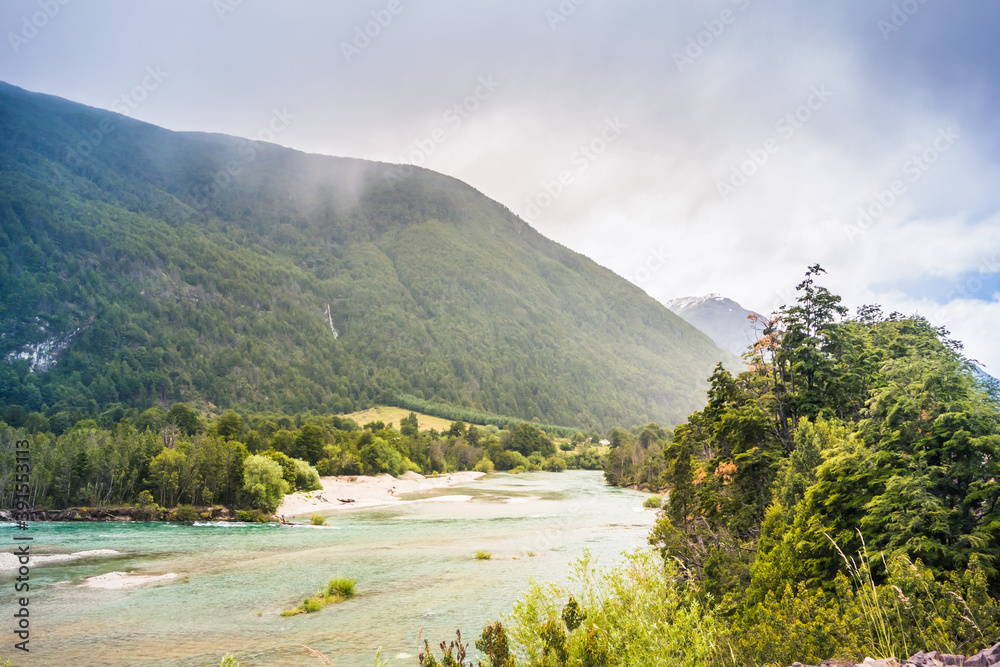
column 415, row 566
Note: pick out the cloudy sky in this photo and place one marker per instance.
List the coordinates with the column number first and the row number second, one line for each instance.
column 692, row 147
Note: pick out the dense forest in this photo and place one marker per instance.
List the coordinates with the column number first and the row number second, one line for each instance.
column 838, row 499
column 178, row 458
column 136, row 271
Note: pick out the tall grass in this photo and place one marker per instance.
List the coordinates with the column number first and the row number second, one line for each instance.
column 912, row 610
column 639, row 613
column 336, row 590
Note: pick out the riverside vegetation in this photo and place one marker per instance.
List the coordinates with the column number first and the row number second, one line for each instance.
column 838, row 499
column 164, row 459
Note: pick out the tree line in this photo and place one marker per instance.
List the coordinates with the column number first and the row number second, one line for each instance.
column 177, row 457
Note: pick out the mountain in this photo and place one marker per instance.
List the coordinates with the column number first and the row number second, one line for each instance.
column 722, row 319
column 144, row 266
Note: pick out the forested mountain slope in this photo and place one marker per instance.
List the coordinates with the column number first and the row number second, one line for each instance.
column 144, row 266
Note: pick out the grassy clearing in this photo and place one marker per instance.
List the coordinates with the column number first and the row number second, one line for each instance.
column 337, row 590
column 392, row 416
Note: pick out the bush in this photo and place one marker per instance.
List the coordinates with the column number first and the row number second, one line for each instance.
column 306, row 476
column 910, row 611
column 484, row 465
column 317, row 520
column 185, row 513
column 641, row 612
column 147, row 506
column 336, row 590
column 508, row 460
column 341, row 587
column 555, row 464
column 484, row 555
column 653, row 502
column 253, row 516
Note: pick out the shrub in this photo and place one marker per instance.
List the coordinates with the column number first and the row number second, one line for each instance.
column 253, row 516
column 317, row 520
column 228, row 660
column 146, row 506
column 306, row 476
column 484, row 555
column 640, row 612
column 912, row 610
column 484, row 465
column 653, row 502
column 185, row 513
column 336, row 590
column 555, row 464
column 341, row 587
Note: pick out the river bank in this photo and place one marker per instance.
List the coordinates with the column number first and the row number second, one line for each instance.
column 415, row 565
column 357, row 492
column 338, row 493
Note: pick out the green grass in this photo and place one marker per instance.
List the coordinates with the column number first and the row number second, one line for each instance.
column 337, row 590
column 342, row 588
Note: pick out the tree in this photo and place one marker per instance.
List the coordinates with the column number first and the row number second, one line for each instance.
column 408, row 425
column 263, row 483
column 682, row 494
column 309, row 443
column 167, row 473
column 184, row 418
column 229, row 426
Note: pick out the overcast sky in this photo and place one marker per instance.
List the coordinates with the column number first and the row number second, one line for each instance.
column 691, row 147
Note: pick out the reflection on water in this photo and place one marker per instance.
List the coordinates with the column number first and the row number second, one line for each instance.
column 415, row 566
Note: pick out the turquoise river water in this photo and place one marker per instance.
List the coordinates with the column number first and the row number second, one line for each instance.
column 415, row 567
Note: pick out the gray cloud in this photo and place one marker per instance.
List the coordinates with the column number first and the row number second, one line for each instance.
column 699, row 87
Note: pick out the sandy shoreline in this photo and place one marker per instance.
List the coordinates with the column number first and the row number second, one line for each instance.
column 366, row 492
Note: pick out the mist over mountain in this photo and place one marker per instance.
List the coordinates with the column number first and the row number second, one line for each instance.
column 723, row 320
column 144, row 266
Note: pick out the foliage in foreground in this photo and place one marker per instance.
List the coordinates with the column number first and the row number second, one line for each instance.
column 646, row 611
column 637, row 613
column 839, row 498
